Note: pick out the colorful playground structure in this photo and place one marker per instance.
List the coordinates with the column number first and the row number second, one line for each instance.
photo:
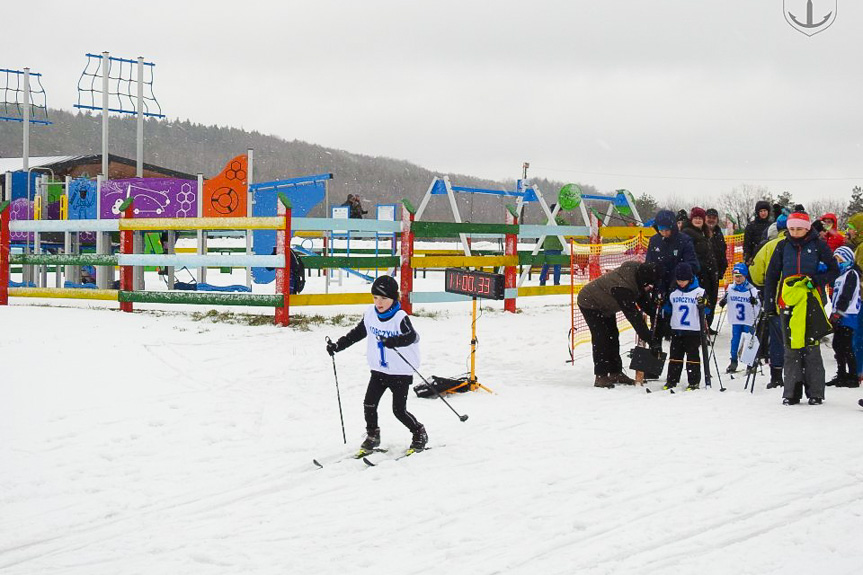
column 91, row 212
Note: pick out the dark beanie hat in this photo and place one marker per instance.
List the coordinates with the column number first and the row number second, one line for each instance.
column 648, row 274
column 681, row 216
column 386, row 286
column 664, row 219
column 697, row 212
column 683, row 271
column 711, row 212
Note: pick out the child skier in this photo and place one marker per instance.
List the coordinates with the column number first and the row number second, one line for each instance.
column 846, row 306
column 387, row 327
column 685, row 328
column 743, row 309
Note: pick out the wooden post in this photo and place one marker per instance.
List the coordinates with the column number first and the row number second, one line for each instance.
column 127, row 246
column 407, row 279
column 283, row 275
column 510, row 249
column 5, row 240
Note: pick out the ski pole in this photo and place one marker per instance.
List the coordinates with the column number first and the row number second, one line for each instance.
column 338, row 395
column 718, row 376
column 430, row 386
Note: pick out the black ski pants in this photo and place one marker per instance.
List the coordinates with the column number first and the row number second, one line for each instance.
column 843, row 351
column 685, row 348
column 604, row 341
column 399, row 385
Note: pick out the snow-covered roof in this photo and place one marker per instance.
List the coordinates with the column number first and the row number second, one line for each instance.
column 15, row 164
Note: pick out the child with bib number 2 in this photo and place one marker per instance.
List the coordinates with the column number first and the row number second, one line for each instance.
column 685, row 328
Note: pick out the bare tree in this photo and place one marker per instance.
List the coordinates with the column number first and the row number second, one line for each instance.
column 818, row 208
column 739, row 203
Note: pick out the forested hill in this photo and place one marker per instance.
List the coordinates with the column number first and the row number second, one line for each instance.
column 194, row 148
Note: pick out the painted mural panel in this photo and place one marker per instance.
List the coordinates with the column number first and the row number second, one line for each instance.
column 225, row 195
column 21, row 209
column 154, row 198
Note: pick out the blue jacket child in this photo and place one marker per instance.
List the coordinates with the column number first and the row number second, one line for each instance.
column 844, row 317
column 743, row 308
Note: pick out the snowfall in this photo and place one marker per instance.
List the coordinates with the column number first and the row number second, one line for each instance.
column 161, row 442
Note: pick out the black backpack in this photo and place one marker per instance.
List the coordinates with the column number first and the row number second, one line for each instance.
column 298, row 273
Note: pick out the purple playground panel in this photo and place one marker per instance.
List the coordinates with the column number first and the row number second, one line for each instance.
column 154, row 198
column 21, row 209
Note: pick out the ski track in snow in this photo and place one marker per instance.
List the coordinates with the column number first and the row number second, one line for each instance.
column 198, row 459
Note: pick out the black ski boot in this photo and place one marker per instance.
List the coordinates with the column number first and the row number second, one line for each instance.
column 419, row 439
column 775, row 378
column 373, row 439
column 732, row 367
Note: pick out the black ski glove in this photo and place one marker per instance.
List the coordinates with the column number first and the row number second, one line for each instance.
column 753, row 300
column 332, row 348
column 390, row 342
column 724, row 301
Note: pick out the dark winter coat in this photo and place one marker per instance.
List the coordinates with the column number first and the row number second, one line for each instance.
column 720, row 251
column 755, row 231
column 703, row 250
column 618, row 291
column 798, row 256
column 670, row 251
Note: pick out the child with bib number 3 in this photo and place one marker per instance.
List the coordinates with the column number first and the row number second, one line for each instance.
column 743, row 308
column 387, row 327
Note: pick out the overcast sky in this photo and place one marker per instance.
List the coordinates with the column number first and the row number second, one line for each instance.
column 670, row 97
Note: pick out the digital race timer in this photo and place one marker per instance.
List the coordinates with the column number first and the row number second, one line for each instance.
column 475, row 284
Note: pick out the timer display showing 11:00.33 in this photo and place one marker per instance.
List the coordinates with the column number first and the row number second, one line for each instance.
column 473, row 283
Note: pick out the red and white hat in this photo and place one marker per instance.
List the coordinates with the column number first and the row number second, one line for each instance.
column 799, row 220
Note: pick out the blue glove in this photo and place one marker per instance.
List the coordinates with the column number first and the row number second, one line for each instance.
column 822, row 267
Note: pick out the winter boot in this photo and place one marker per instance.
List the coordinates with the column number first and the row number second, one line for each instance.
column 692, row 387
column 775, row 378
column 373, row 439
column 732, row 367
column 669, row 385
column 790, row 401
column 419, row 439
column 847, row 380
column 837, row 381
column 815, row 401
column 603, row 381
column 621, row 378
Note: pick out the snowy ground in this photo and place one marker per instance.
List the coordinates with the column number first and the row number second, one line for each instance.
column 153, row 443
